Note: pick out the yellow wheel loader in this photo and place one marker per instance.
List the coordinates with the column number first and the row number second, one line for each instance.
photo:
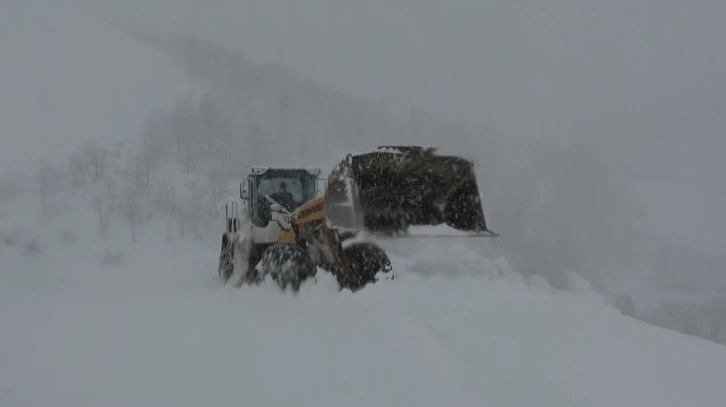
column 286, row 229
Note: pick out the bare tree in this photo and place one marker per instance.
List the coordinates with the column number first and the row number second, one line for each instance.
column 217, row 187
column 102, row 209
column 103, row 201
column 131, row 208
column 77, row 169
column 49, row 183
column 11, row 186
column 97, row 160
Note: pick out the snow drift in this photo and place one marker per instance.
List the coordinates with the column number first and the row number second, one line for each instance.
column 88, row 321
column 102, row 319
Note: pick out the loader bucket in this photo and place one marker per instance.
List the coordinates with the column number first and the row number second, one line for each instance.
column 391, row 189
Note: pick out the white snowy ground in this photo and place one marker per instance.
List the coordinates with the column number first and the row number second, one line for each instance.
column 153, row 327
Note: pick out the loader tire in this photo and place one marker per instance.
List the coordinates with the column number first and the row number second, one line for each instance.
column 234, row 256
column 367, row 260
column 225, row 268
column 288, row 265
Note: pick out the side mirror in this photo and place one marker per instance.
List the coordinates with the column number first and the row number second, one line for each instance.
column 243, row 192
column 276, row 208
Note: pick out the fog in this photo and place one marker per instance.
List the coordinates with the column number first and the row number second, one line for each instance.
column 598, row 128
column 65, row 78
column 547, row 68
column 643, row 77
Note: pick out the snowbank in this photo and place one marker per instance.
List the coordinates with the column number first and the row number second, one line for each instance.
column 151, row 326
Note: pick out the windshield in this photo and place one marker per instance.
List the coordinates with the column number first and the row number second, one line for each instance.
column 289, row 188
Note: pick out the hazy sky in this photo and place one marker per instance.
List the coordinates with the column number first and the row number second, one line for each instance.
column 649, row 72
column 540, row 67
column 68, row 78
column 635, row 69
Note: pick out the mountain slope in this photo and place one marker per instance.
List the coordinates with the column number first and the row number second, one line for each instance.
column 68, row 78
column 255, row 113
column 134, row 316
column 103, row 322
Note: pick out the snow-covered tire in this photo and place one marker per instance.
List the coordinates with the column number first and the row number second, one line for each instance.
column 288, row 265
column 367, row 260
column 225, row 268
column 234, row 258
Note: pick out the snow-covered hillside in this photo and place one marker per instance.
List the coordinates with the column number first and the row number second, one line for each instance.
column 68, row 78
column 108, row 254
column 89, row 321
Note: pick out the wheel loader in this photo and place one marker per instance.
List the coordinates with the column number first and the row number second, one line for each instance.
column 286, row 228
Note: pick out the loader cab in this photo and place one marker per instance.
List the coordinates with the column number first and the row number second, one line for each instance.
column 290, row 187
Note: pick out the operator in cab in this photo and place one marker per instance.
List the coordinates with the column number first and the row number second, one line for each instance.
column 284, row 198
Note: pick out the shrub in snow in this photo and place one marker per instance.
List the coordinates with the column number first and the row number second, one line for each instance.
column 68, row 237
column 8, row 238
column 113, row 258
column 578, row 284
column 32, row 247
column 11, row 186
column 535, row 281
column 624, row 303
column 704, row 319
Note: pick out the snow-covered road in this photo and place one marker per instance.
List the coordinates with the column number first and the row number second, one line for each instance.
column 157, row 329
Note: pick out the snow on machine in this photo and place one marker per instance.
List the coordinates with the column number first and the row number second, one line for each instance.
column 286, row 229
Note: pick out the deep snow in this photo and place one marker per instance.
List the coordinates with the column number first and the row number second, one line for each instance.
column 102, row 322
